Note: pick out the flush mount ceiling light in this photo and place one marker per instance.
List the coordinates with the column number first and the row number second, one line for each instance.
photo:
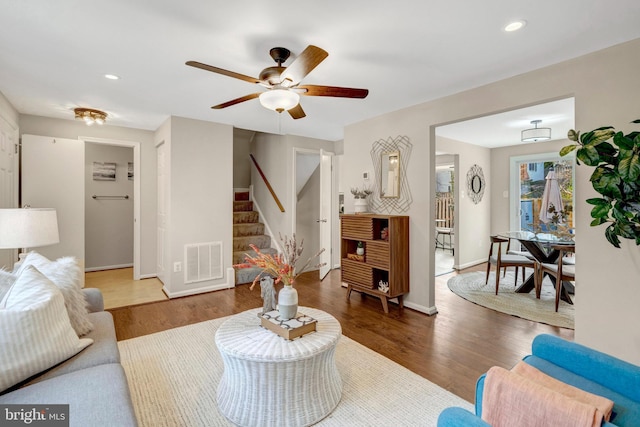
column 514, row 26
column 111, row 77
column 90, row 116
column 279, row 99
column 536, row 134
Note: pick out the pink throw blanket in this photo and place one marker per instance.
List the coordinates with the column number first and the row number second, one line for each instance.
column 509, row 400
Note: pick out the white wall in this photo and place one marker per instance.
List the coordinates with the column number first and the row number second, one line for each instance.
column 307, row 212
column 108, row 222
column 73, row 129
column 201, row 197
column 241, row 161
column 603, row 84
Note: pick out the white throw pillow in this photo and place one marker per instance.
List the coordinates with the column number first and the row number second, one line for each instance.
column 35, row 332
column 65, row 273
column 7, row 279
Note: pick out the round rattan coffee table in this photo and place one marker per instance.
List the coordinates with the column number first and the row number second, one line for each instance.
column 270, row 381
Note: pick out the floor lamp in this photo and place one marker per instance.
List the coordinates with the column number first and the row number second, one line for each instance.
column 28, row 228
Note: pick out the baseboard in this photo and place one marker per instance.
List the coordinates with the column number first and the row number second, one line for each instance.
column 107, row 267
column 469, row 264
column 421, row 308
column 147, row 276
column 212, row 288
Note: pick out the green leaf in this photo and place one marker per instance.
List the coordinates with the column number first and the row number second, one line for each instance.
column 620, row 213
column 611, row 236
column 598, row 221
column 569, row 148
column 636, row 121
column 600, row 211
column 624, row 142
column 598, row 202
column 629, row 167
column 573, row 135
column 625, row 229
column 600, row 135
column 589, row 155
column 606, row 182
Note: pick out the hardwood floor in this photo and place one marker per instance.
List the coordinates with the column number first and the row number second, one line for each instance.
column 120, row 290
column 452, row 348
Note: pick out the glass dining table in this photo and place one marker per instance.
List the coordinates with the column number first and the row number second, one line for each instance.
column 540, row 246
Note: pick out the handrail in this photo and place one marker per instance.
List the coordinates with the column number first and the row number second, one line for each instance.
column 126, row 196
column 266, row 181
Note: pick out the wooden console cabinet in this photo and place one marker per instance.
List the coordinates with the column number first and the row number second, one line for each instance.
column 384, row 259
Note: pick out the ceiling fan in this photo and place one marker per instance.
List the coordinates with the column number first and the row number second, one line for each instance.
column 283, row 83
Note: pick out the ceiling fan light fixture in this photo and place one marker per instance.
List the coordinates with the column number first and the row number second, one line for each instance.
column 535, row 133
column 90, row 116
column 279, row 99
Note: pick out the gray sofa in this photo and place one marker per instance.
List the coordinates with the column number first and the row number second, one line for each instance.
column 92, row 382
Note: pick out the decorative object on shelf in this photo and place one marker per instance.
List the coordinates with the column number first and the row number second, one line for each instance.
column 361, row 204
column 268, row 294
column 283, row 268
column 360, row 248
column 289, row 329
column 384, row 234
column 90, row 116
column 383, row 286
column 535, row 134
column 475, row 183
column 616, row 178
column 390, row 159
column 356, row 257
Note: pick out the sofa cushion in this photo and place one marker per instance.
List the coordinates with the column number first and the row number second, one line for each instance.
column 97, row 396
column 36, row 333
column 104, row 349
column 65, row 273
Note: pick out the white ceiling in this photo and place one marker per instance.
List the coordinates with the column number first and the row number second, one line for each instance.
column 53, row 54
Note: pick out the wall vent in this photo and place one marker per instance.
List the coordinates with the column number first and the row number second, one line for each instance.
column 203, row 261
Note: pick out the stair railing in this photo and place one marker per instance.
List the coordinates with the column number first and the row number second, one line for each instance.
column 266, row 181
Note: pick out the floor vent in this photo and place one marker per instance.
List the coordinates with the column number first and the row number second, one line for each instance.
column 203, row 261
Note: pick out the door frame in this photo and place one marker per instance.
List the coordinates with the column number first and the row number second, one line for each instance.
column 136, row 192
column 334, row 195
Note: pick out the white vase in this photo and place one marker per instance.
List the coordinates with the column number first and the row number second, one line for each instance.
column 361, row 205
column 288, row 302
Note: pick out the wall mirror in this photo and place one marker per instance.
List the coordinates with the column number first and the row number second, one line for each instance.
column 390, row 174
column 475, row 183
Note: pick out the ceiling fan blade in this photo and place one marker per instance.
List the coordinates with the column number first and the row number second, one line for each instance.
column 222, row 71
column 341, row 92
column 302, row 65
column 297, row 112
column 236, row 101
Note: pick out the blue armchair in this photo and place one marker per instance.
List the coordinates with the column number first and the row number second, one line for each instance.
column 579, row 366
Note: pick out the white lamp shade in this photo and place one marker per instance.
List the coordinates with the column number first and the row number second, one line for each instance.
column 279, row 99
column 28, row 228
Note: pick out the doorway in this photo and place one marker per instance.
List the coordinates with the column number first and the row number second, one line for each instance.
column 444, row 215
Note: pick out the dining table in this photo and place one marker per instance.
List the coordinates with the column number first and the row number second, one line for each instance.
column 541, row 248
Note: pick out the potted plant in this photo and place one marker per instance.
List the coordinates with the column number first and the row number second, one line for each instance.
column 360, row 249
column 616, row 177
column 360, row 203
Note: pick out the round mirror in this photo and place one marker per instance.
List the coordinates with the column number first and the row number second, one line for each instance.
column 475, row 183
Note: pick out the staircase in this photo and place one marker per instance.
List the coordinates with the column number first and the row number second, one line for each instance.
column 247, row 229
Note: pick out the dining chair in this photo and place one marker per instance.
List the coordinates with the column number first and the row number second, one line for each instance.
column 501, row 260
column 561, row 270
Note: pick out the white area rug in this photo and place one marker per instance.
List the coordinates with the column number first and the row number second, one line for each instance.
column 471, row 287
column 173, row 377
column 444, row 262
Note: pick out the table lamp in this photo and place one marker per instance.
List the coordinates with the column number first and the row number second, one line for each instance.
column 28, row 228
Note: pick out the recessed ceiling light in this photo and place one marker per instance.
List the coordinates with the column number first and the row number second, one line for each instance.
column 111, row 77
column 515, row 26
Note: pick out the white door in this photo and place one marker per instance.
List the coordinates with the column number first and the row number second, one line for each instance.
column 8, row 181
column 161, row 208
column 53, row 177
column 326, row 207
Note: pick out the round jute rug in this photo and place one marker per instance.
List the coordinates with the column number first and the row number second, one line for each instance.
column 471, row 287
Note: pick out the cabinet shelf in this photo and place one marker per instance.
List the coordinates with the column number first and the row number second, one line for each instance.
column 384, row 259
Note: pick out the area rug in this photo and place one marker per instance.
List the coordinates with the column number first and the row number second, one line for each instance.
column 471, row 287
column 173, row 377
column 444, row 262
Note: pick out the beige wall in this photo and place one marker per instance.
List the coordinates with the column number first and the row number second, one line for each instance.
column 602, row 83
column 73, row 129
column 307, row 212
column 108, row 223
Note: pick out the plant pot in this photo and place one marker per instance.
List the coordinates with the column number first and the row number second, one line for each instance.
column 288, row 302
column 361, row 205
column 360, row 251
